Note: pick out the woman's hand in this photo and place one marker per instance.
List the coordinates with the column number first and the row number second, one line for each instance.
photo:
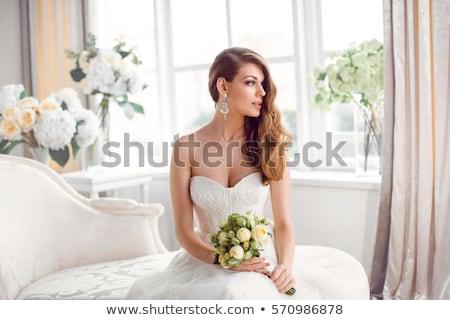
column 282, row 278
column 257, row 264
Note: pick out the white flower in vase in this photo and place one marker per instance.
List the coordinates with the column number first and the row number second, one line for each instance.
column 69, row 98
column 55, row 129
column 88, row 130
column 9, row 95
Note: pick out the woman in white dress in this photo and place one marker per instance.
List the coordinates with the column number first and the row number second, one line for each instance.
column 232, row 165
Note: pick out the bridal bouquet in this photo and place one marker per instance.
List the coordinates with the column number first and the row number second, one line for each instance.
column 240, row 238
column 53, row 123
column 111, row 73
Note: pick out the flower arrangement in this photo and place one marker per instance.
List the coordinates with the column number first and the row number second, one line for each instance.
column 111, row 73
column 53, row 123
column 240, row 238
column 355, row 75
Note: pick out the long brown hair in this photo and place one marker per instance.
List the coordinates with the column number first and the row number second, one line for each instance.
column 267, row 139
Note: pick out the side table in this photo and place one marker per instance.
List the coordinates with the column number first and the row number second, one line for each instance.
column 99, row 179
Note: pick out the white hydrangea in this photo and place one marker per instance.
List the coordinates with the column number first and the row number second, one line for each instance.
column 70, row 97
column 355, row 74
column 89, row 130
column 9, row 95
column 55, row 129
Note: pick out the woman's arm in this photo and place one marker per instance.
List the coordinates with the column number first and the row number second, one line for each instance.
column 284, row 232
column 180, row 175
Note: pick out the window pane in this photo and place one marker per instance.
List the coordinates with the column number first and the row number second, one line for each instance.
column 347, row 21
column 263, row 25
column 341, row 119
column 199, row 31
column 133, row 21
column 194, row 105
column 284, row 77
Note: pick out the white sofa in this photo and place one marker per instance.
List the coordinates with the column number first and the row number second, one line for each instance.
column 57, row 244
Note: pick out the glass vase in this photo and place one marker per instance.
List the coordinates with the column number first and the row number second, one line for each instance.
column 368, row 160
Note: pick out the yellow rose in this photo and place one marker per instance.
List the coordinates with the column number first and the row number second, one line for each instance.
column 27, row 119
column 260, row 233
column 28, row 102
column 10, row 129
column 48, row 104
column 10, row 113
column 237, row 252
column 243, row 234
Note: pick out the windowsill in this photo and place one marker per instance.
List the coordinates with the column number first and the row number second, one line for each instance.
column 334, row 179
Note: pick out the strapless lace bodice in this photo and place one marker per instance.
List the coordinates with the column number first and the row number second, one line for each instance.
column 213, row 202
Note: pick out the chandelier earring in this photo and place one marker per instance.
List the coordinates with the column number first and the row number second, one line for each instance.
column 224, row 108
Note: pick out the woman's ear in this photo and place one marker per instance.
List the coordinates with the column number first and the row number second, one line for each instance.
column 221, row 85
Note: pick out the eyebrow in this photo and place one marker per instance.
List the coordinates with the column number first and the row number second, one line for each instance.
column 250, row 76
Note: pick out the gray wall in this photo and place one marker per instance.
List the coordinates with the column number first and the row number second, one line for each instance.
column 10, row 53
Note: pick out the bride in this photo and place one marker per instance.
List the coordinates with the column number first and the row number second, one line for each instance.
column 232, row 165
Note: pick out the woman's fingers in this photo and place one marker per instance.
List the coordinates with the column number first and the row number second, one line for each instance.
column 258, row 264
column 282, row 278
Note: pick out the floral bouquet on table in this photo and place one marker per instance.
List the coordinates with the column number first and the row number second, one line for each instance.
column 240, row 238
column 111, row 73
column 355, row 75
column 53, row 123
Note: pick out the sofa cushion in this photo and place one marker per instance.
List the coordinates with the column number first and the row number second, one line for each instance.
column 104, row 281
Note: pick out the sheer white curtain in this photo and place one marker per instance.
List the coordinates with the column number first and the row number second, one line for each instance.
column 411, row 258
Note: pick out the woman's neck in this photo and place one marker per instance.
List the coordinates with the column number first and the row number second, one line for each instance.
column 227, row 130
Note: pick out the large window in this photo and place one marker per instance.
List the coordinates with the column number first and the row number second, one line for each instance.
column 178, row 40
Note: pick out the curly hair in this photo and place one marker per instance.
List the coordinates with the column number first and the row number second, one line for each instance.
column 267, row 139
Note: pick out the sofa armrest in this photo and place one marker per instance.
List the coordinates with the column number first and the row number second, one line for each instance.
column 120, row 206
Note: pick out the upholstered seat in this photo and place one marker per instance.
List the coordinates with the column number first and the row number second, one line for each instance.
column 46, row 226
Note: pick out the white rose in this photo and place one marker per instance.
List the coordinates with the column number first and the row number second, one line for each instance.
column 28, row 102
column 237, row 252
column 243, row 234
column 260, row 233
column 10, row 129
column 11, row 113
column 26, row 119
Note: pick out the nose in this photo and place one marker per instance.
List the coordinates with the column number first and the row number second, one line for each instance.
column 261, row 91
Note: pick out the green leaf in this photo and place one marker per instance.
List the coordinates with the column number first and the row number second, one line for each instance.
column 3, row 145
column 77, row 74
column 75, row 147
column 13, row 144
column 64, row 105
column 137, row 107
column 60, row 156
column 322, row 76
column 23, row 94
column 79, row 123
column 318, row 98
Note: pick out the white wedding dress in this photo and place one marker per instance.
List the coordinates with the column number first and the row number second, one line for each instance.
column 321, row 273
